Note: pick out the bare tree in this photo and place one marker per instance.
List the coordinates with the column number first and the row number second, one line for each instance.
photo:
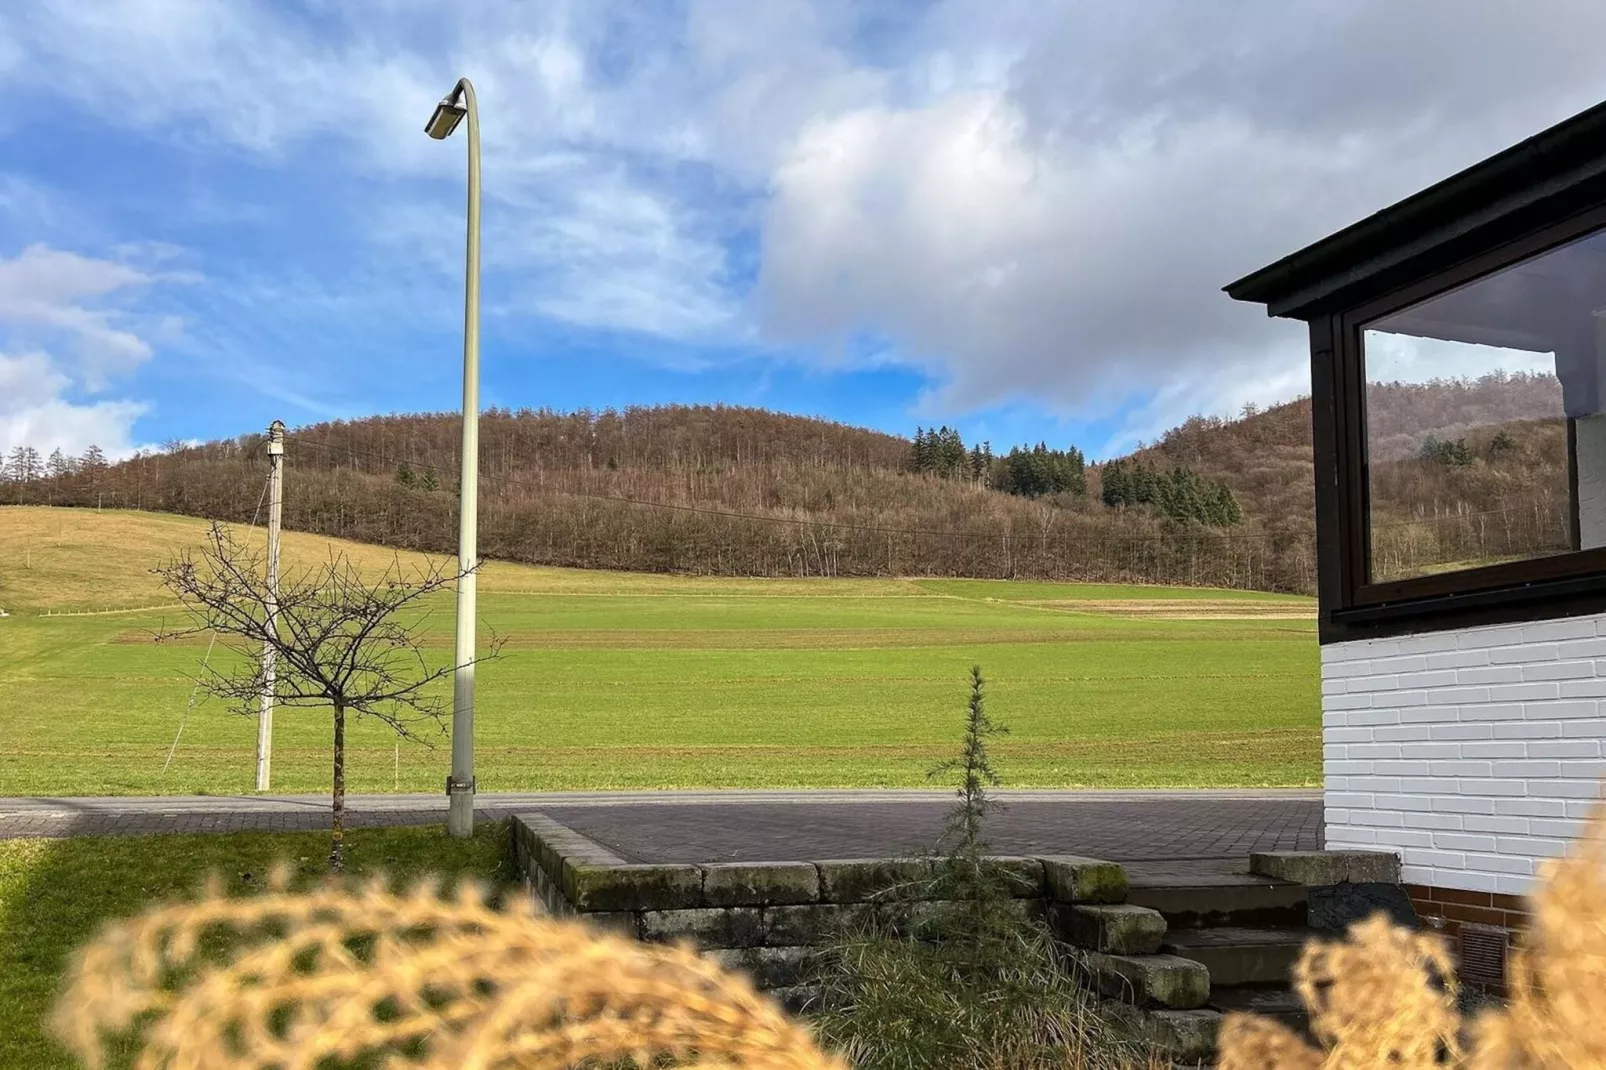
column 337, row 639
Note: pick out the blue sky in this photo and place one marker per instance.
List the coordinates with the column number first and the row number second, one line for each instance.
column 1007, row 216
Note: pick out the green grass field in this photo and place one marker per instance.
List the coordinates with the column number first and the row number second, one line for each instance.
column 55, row 895
column 626, row 681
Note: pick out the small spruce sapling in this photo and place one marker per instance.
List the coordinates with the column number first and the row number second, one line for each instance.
column 978, row 984
column 982, row 899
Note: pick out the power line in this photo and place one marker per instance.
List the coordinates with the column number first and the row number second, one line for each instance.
column 760, row 518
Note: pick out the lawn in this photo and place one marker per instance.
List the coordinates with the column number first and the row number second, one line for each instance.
column 615, row 680
column 55, row 894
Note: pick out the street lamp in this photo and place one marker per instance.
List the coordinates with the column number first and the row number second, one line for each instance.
column 460, row 783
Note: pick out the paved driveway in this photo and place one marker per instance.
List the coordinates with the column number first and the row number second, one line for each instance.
column 756, row 825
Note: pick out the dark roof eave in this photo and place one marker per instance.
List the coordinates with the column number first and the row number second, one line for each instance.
column 1544, row 165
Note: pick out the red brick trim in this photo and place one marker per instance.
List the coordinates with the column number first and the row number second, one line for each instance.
column 1446, row 909
column 1485, row 908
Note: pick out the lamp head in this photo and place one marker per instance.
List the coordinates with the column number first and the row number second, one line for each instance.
column 447, row 115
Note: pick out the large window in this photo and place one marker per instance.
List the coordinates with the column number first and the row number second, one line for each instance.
column 1485, row 420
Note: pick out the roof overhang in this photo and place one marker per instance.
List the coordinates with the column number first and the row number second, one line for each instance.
column 1550, row 175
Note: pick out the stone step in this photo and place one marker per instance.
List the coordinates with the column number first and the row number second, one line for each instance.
column 1182, row 1038
column 1269, row 1001
column 1121, row 928
column 1201, row 895
column 1239, row 955
column 1158, row 981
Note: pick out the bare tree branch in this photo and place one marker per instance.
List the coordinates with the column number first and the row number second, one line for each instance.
column 340, row 640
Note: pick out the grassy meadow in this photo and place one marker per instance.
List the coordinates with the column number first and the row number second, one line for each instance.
column 616, row 680
column 56, row 894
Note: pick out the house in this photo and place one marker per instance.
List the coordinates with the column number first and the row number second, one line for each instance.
column 1461, row 526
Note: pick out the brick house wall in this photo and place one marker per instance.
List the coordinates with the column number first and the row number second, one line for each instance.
column 1475, row 753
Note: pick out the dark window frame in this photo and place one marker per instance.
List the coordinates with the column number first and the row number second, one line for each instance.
column 1452, row 599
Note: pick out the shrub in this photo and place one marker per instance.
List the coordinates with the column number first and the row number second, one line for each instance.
column 975, row 984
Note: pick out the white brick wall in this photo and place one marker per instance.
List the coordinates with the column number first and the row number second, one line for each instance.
column 1474, row 753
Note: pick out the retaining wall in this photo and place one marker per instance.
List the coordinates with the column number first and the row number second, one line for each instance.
column 766, row 918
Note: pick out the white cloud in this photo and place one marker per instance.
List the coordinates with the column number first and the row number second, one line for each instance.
column 622, row 145
column 1000, row 267
column 55, row 296
column 1057, row 227
column 242, row 73
column 1031, row 201
column 53, row 290
column 34, row 412
column 627, row 263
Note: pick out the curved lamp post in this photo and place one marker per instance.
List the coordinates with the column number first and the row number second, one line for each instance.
column 460, row 783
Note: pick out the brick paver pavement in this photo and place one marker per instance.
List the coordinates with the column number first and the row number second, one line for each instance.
column 1128, row 830
column 757, row 826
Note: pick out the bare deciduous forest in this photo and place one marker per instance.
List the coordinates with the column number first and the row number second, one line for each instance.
column 737, row 491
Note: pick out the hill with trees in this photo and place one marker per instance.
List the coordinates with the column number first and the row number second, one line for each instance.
column 702, row 489
column 1462, row 471
column 740, row 491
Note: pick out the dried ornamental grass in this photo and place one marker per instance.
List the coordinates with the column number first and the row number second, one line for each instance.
column 1382, row 998
column 408, row 981
column 1386, row 997
column 1556, row 1015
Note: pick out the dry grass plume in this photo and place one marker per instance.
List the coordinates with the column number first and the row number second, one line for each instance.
column 412, row 980
column 1386, row 997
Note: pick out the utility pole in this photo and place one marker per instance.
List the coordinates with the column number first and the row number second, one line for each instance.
column 275, row 512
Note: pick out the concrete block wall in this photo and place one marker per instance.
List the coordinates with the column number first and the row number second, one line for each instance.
column 1475, row 753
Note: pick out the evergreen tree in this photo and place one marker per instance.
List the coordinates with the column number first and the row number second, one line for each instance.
column 1178, row 493
column 1443, row 451
column 404, row 475
column 950, row 453
column 1227, row 510
column 920, row 456
column 58, row 466
column 1141, row 485
column 93, row 461
column 1073, row 467
column 1114, row 478
column 941, row 451
column 1038, row 471
column 428, row 481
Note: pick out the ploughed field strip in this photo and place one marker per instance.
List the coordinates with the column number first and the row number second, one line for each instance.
column 1181, row 910
column 1181, row 609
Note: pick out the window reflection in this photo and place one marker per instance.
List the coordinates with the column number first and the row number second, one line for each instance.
column 1471, row 398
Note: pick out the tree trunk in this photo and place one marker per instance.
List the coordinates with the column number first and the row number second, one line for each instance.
column 337, row 850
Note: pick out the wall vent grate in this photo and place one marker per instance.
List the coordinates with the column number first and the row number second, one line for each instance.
column 1483, row 950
